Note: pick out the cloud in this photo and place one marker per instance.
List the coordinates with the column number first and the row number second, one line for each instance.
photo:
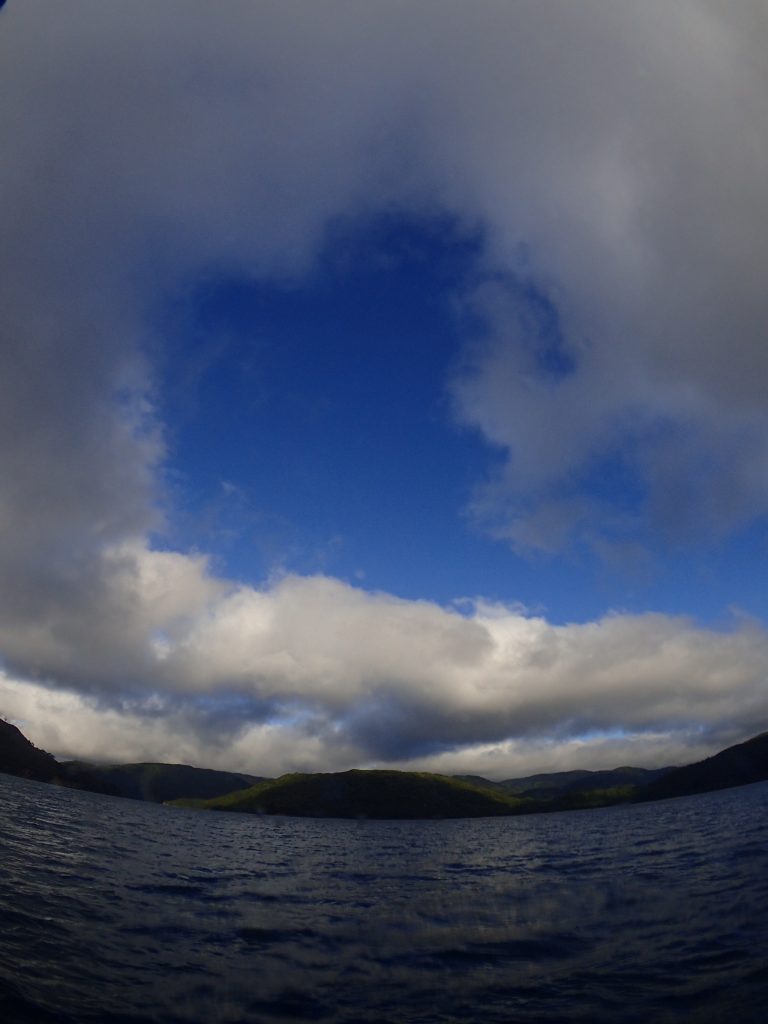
column 612, row 158
column 75, row 726
column 310, row 672
column 625, row 191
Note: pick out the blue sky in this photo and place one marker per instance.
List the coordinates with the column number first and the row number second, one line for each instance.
column 334, row 389
column 313, row 429
column 384, row 383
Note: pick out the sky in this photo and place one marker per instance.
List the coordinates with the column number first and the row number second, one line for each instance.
column 384, row 384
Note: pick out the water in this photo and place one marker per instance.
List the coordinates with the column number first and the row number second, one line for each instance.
column 112, row 910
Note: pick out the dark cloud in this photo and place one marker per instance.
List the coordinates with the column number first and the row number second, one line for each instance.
column 612, row 158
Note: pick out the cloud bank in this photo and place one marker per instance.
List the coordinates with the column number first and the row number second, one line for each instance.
column 613, row 159
column 311, row 672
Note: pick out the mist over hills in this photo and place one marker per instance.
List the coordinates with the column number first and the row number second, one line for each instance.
column 150, row 781
column 383, row 793
column 153, row 781
column 735, row 766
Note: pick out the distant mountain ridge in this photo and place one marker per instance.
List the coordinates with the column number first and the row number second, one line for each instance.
column 153, row 781
column 739, row 765
column 554, row 784
column 383, row 793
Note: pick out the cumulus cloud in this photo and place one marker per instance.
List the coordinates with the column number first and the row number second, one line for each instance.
column 310, row 672
column 613, row 158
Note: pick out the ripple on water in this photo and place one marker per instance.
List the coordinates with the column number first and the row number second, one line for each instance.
column 121, row 911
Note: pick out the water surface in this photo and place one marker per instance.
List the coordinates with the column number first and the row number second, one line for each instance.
column 117, row 910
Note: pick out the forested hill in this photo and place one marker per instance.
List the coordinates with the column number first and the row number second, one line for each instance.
column 383, row 793
column 735, row 766
column 153, row 781
column 549, row 785
column 367, row 794
column 20, row 757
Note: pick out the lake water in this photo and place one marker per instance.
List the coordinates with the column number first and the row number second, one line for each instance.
column 113, row 910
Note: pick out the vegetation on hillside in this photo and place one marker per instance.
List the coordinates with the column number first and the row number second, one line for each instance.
column 20, row 757
column 382, row 793
column 367, row 794
column 550, row 784
column 739, row 765
column 153, row 781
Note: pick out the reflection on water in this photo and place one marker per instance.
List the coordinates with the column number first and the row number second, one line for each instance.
column 122, row 911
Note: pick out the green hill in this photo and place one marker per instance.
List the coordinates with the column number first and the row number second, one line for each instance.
column 367, row 794
column 385, row 794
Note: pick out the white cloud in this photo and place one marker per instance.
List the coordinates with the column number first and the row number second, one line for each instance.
column 613, row 157
column 310, row 671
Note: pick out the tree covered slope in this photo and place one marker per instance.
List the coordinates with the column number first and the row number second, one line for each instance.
column 367, row 794
column 735, row 766
column 20, row 757
column 153, row 781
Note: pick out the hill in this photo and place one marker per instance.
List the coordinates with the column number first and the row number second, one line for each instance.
column 735, row 766
column 153, row 781
column 552, row 785
column 385, row 794
column 20, row 757
column 367, row 794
